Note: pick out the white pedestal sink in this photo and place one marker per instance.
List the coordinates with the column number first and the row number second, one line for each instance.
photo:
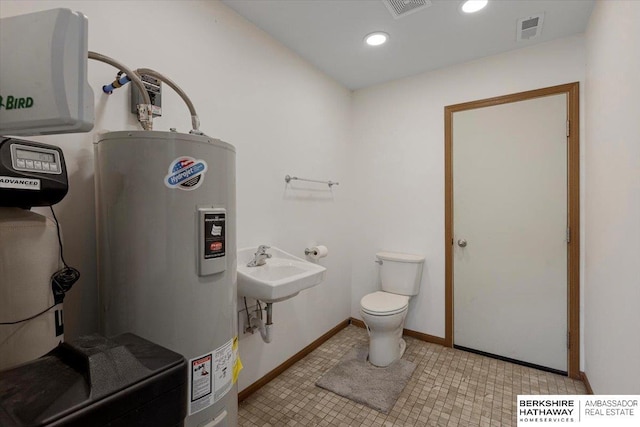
column 282, row 277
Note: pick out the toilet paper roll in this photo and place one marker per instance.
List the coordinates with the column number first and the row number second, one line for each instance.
column 318, row 252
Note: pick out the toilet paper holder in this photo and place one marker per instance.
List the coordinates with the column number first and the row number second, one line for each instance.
column 316, row 252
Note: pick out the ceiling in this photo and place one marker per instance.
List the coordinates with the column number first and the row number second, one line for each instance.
column 329, row 33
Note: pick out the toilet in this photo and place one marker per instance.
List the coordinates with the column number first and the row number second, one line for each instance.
column 384, row 311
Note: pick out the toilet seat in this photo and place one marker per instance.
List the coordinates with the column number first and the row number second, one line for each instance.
column 384, row 303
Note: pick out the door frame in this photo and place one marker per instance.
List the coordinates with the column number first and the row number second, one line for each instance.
column 573, row 209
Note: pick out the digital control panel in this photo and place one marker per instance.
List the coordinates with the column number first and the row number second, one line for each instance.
column 35, row 159
column 31, row 173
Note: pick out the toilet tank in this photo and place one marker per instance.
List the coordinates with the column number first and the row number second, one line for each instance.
column 400, row 273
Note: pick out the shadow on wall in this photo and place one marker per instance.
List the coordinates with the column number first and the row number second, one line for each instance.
column 307, row 192
column 76, row 213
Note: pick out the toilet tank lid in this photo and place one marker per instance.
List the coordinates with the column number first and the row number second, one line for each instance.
column 394, row 256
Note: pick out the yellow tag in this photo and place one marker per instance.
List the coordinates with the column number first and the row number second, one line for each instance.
column 237, row 364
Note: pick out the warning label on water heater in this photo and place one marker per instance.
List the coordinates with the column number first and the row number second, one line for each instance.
column 201, row 377
column 210, row 377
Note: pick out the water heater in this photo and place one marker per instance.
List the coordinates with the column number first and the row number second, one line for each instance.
column 167, row 256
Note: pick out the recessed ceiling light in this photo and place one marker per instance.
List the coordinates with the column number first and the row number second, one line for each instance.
column 471, row 6
column 376, row 39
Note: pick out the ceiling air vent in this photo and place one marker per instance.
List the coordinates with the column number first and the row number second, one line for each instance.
column 529, row 27
column 402, row 8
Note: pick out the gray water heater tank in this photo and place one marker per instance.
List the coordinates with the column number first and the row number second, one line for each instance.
column 166, row 212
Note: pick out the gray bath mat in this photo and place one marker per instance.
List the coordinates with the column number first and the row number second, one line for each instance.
column 357, row 379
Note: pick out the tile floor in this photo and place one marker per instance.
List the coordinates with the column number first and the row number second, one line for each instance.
column 448, row 388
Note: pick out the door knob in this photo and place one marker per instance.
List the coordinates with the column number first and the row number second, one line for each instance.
column 462, row 243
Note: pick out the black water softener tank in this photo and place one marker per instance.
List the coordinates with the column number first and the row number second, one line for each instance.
column 94, row 381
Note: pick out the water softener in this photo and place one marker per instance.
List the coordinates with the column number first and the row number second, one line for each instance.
column 31, row 316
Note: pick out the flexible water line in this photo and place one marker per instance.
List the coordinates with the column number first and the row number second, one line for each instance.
column 195, row 121
column 147, row 121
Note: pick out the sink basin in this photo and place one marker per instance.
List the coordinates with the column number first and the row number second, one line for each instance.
column 282, row 277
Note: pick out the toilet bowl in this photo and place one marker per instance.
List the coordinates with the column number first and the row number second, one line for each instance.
column 385, row 311
column 383, row 314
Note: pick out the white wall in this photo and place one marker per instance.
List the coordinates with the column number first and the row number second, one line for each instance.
column 399, row 160
column 612, row 301
column 282, row 115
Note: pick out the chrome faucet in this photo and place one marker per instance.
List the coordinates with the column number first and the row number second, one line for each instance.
column 260, row 257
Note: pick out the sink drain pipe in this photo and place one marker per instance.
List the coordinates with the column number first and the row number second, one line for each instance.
column 261, row 325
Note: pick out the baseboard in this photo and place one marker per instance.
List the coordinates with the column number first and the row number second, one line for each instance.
column 357, row 322
column 585, row 380
column 289, row 362
column 423, row 337
column 408, row 332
